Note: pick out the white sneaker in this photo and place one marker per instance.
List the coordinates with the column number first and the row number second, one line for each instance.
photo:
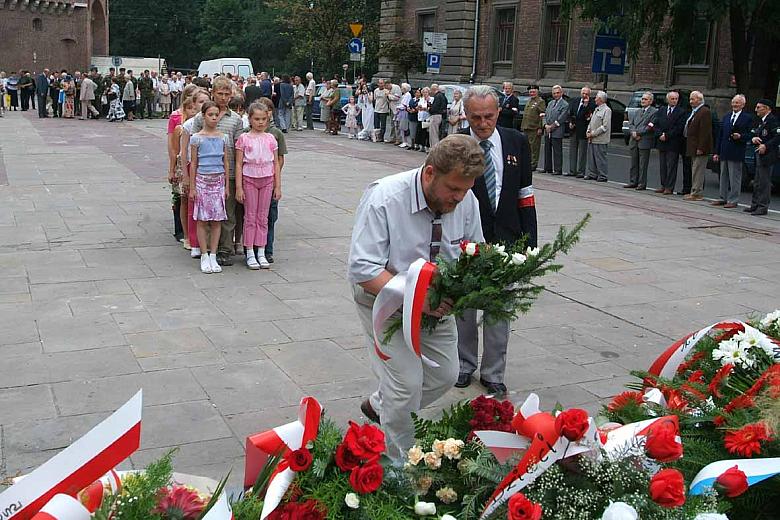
column 195, row 252
column 402, row 145
column 263, row 262
column 215, row 267
column 205, row 265
column 251, row 262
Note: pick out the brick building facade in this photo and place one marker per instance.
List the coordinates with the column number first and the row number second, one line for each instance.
column 528, row 42
column 54, row 34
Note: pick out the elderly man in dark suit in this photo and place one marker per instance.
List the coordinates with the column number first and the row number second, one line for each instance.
column 41, row 90
column 507, row 211
column 642, row 130
column 698, row 133
column 730, row 151
column 669, row 122
column 579, row 117
column 766, row 138
column 510, row 106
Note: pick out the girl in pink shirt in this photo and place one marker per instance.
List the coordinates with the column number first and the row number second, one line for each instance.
column 257, row 180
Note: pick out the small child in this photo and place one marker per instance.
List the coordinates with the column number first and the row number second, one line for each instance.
column 257, row 180
column 352, row 111
column 211, row 168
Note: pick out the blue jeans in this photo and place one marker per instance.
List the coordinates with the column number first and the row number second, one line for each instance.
column 273, row 215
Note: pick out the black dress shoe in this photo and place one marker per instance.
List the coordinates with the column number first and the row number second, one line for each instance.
column 581, row 176
column 603, row 179
column 759, row 212
column 270, row 258
column 497, row 390
column 569, row 174
column 556, row 173
column 640, row 187
column 630, row 186
column 464, row 380
column 368, row 411
column 751, row 209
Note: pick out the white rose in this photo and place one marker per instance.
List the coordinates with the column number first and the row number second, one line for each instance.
column 352, row 500
column 415, row 455
column 448, row 517
column 619, row 511
column 447, row 495
column 425, row 508
column 517, row 258
column 711, row 516
column 432, row 460
column 438, row 447
column 532, row 251
column 501, row 250
column 452, row 448
column 471, row 249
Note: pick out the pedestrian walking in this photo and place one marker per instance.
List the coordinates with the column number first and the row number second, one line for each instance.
column 88, row 88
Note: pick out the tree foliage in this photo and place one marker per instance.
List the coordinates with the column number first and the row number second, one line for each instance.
column 405, row 53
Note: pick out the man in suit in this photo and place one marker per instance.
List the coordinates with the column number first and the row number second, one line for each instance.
column 730, row 151
column 698, row 135
column 507, row 212
column 41, row 90
column 579, row 117
column 554, row 120
column 252, row 92
column 533, row 118
column 766, row 137
column 598, row 134
column 641, row 128
column 668, row 124
column 510, row 106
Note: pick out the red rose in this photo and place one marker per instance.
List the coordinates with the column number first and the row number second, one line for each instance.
column 732, row 482
column 309, row 510
column 365, row 441
column 366, row 479
column 667, row 488
column 345, row 459
column 572, row 424
column 520, row 508
column 299, row 460
column 662, row 444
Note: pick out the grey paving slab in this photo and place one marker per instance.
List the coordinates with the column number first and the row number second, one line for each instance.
column 79, row 333
column 172, row 425
column 26, row 402
column 314, row 362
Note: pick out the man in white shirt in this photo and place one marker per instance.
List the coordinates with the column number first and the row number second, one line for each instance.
column 311, row 90
column 422, row 213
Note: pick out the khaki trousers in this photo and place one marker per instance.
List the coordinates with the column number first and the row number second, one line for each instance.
column 406, row 384
column 698, row 165
column 535, row 143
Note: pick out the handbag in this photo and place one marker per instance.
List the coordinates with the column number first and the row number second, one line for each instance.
column 426, row 123
column 453, row 120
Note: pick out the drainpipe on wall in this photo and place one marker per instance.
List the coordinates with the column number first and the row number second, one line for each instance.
column 474, row 47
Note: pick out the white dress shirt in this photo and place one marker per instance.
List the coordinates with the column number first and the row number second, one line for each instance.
column 497, row 154
column 393, row 227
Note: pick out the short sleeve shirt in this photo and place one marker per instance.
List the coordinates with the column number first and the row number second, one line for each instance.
column 258, row 151
column 211, row 152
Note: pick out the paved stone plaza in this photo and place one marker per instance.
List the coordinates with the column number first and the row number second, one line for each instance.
column 98, row 299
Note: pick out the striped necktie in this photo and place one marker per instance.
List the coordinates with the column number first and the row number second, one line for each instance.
column 436, row 232
column 490, row 172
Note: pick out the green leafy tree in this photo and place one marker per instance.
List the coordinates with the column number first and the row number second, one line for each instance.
column 667, row 24
column 405, row 53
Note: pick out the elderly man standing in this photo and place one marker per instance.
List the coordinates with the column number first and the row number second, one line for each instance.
column 438, row 110
column 554, row 120
column 598, row 133
column 88, row 88
column 669, row 122
column 311, row 89
column 42, row 89
column 730, row 151
column 510, row 106
column 698, row 133
column 508, row 213
column 766, row 138
column 641, row 128
column 421, row 213
column 579, row 117
column 533, row 116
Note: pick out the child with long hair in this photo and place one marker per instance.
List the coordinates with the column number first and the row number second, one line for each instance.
column 210, row 174
column 257, row 180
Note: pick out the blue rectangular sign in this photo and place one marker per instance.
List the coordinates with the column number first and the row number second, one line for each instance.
column 433, row 62
column 609, row 55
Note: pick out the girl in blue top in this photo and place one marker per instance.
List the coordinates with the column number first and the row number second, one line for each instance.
column 211, row 167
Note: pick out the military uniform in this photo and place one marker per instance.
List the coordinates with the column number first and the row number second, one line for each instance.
column 768, row 130
column 146, row 86
column 105, row 86
column 532, row 123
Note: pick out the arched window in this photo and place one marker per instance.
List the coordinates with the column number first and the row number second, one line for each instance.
column 37, row 24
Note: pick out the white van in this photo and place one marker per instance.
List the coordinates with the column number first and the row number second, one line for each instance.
column 234, row 66
column 137, row 65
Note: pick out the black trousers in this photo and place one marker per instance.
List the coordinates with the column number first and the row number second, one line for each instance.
column 667, row 166
column 42, row 105
column 762, row 187
column 25, row 99
column 687, row 174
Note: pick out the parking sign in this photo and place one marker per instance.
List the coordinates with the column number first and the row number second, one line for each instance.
column 433, row 62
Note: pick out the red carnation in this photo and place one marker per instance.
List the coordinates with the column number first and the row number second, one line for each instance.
column 572, row 424
column 345, row 459
column 720, row 375
column 662, row 444
column 520, row 508
column 746, row 441
column 624, row 399
column 364, row 441
column 732, row 482
column 667, row 488
column 299, row 460
column 366, row 479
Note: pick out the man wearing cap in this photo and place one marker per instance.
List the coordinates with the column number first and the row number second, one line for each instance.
column 532, row 123
column 766, row 137
column 421, row 213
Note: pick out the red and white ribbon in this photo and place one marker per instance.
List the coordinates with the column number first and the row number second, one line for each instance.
column 756, row 470
column 78, row 465
column 221, row 510
column 280, row 441
column 621, row 439
column 63, row 507
column 407, row 291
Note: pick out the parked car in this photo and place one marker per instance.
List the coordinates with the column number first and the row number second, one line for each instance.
column 346, row 93
column 659, row 101
column 618, row 110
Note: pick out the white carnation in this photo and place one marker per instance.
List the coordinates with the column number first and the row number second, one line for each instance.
column 452, row 448
column 619, row 511
column 425, row 508
column 517, row 258
column 415, row 455
column 531, row 251
column 352, row 500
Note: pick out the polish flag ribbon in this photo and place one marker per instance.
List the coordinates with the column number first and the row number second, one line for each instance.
column 78, row 465
column 63, row 507
column 406, row 291
column 756, row 470
column 621, row 439
column 280, row 440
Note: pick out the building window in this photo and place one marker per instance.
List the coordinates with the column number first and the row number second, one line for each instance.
column 557, row 34
column 698, row 52
column 505, row 34
column 37, row 24
column 426, row 22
